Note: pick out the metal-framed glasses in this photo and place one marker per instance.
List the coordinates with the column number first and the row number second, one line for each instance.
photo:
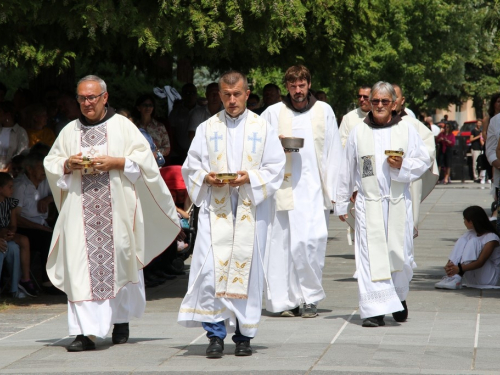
column 92, row 99
column 365, row 97
column 385, row 102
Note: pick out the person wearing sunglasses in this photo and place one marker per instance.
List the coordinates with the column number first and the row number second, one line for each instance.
column 351, row 119
column 104, row 180
column 383, row 155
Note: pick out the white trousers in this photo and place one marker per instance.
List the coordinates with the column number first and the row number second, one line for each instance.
column 95, row 318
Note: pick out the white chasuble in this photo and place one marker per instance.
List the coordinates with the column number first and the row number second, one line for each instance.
column 109, row 226
column 284, row 196
column 233, row 238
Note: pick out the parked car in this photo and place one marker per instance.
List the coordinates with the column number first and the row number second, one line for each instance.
column 466, row 129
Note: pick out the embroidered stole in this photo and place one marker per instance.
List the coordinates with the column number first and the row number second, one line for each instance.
column 386, row 254
column 284, row 196
column 98, row 218
column 233, row 238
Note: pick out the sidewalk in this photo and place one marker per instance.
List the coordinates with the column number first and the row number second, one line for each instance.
column 447, row 332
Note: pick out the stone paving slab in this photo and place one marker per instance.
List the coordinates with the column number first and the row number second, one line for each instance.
column 447, row 332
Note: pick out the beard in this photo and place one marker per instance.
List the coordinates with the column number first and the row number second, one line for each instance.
column 299, row 98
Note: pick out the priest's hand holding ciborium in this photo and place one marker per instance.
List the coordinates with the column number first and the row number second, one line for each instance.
column 395, row 158
column 233, row 179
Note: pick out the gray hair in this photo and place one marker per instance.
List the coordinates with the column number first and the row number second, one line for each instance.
column 232, row 77
column 383, row 88
column 95, row 79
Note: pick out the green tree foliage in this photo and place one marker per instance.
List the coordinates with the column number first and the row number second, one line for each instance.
column 439, row 51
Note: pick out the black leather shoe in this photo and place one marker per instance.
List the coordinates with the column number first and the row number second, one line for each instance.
column 80, row 344
column 243, row 349
column 215, row 348
column 165, row 276
column 401, row 316
column 120, row 333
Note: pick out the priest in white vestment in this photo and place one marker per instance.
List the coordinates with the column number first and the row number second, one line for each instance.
column 104, row 179
column 296, row 253
column 353, row 118
column 226, row 276
column 384, row 220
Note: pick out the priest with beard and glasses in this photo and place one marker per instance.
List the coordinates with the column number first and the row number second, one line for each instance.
column 226, row 277
column 115, row 215
column 297, row 246
column 382, row 156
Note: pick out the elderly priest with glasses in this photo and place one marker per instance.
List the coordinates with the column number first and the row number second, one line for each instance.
column 104, row 179
column 382, row 156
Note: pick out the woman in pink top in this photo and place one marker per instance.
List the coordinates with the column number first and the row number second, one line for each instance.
column 445, row 141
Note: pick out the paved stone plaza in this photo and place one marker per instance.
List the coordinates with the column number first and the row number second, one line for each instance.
column 447, row 332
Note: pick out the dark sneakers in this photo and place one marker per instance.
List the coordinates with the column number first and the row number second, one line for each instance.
column 376, row 321
column 401, row 316
column 120, row 333
column 28, row 288
column 215, row 348
column 243, row 349
column 291, row 313
column 81, row 344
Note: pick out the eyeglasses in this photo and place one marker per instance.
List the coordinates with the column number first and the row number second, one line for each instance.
column 147, row 105
column 365, row 97
column 92, row 99
column 385, row 102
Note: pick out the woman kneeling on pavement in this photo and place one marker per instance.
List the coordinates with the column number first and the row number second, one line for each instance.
column 475, row 259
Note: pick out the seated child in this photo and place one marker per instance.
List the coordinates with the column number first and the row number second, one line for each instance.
column 17, row 242
column 475, row 258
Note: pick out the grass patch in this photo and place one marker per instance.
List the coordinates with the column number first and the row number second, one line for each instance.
column 4, row 305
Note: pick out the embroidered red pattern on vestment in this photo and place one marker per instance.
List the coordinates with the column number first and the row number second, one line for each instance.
column 98, row 220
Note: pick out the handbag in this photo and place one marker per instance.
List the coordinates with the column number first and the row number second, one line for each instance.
column 160, row 160
column 482, row 162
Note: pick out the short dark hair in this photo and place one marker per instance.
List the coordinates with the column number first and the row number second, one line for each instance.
column 365, row 87
column 297, row 72
column 254, row 96
column 210, row 86
column 40, row 148
column 272, row 86
column 32, row 159
column 232, row 77
column 4, row 178
column 7, row 107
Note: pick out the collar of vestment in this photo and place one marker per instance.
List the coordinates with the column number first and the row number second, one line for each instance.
column 110, row 113
column 369, row 120
column 311, row 100
column 242, row 116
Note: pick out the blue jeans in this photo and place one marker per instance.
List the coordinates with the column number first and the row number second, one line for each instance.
column 219, row 330
column 13, row 259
